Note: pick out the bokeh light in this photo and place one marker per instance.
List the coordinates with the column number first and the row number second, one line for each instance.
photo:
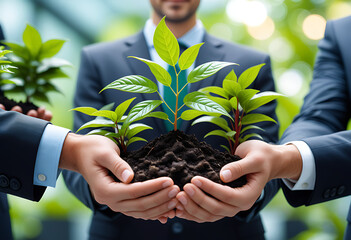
column 313, row 26
column 263, row 31
column 280, row 49
column 251, row 13
column 290, row 82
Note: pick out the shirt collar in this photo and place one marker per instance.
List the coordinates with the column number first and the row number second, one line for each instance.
column 192, row 37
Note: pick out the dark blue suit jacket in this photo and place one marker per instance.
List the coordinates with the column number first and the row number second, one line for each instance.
column 18, row 155
column 105, row 62
column 19, row 140
column 324, row 116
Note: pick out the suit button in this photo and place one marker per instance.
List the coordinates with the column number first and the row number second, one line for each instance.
column 333, row 192
column 326, row 193
column 177, row 228
column 341, row 190
column 4, row 181
column 15, row 184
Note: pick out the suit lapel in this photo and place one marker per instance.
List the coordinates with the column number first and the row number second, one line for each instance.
column 137, row 47
column 212, row 50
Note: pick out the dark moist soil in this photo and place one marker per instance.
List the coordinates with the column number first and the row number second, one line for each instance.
column 181, row 157
column 9, row 104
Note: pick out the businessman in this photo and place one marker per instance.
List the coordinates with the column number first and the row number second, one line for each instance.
column 105, row 62
column 315, row 164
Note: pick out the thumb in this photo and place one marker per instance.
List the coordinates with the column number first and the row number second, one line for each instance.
column 119, row 168
column 235, row 170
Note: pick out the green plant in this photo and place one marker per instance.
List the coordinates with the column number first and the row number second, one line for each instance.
column 235, row 97
column 124, row 126
column 5, row 66
column 35, row 66
column 168, row 49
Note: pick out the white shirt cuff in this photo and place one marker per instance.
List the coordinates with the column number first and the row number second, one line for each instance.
column 308, row 175
column 46, row 165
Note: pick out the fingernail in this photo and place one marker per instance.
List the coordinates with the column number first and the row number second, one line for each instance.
column 126, row 174
column 173, row 193
column 179, row 207
column 172, row 204
column 197, row 182
column 166, row 184
column 183, row 200
column 226, row 175
column 190, row 191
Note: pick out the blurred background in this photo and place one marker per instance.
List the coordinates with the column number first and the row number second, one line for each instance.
column 288, row 30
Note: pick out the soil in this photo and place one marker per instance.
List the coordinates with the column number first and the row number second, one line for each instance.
column 181, row 157
column 9, row 104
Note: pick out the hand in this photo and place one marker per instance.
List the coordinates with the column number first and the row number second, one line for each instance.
column 95, row 156
column 261, row 162
column 41, row 113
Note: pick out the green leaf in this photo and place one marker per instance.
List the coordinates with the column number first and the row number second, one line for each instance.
column 231, row 76
column 106, row 114
column 86, row 110
column 225, row 147
column 135, row 139
column 248, row 136
column 188, row 115
column 159, row 72
column 52, row 73
column 189, row 56
column 199, row 101
column 206, row 70
column 99, row 122
column 101, row 132
column 136, row 128
column 6, row 81
column 160, row 115
column 221, row 101
column 231, row 134
column 48, row 63
column 107, row 106
column 260, row 99
column 244, row 97
column 251, row 127
column 220, row 122
column 216, row 90
column 232, row 88
column 140, row 110
column 255, row 118
column 234, row 103
column 133, row 83
column 249, row 75
column 18, row 50
column 32, row 40
column 122, row 108
column 50, row 48
column 166, row 44
column 220, row 133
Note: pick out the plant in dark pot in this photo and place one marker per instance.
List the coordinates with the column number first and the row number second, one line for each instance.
column 34, row 69
column 179, row 155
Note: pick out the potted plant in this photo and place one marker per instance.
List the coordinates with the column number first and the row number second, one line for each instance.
column 34, row 69
column 176, row 154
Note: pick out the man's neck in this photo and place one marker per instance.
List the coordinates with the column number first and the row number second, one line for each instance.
column 177, row 28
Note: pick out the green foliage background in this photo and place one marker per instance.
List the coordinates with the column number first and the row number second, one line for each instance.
column 86, row 22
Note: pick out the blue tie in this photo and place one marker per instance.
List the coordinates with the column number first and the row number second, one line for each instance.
column 169, row 96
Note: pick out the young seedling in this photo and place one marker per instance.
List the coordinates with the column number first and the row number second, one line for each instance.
column 239, row 102
column 167, row 47
column 35, row 66
column 124, row 126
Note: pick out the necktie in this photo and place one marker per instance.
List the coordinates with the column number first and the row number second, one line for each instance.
column 169, row 96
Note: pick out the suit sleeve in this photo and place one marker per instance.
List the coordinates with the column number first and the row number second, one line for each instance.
column 19, row 137
column 321, row 124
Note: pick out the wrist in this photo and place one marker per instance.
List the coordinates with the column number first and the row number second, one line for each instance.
column 289, row 162
column 68, row 160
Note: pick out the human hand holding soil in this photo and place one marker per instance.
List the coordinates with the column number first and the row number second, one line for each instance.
column 40, row 113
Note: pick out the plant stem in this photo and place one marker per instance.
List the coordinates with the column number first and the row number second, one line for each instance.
column 176, row 103
column 237, row 130
column 121, row 140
